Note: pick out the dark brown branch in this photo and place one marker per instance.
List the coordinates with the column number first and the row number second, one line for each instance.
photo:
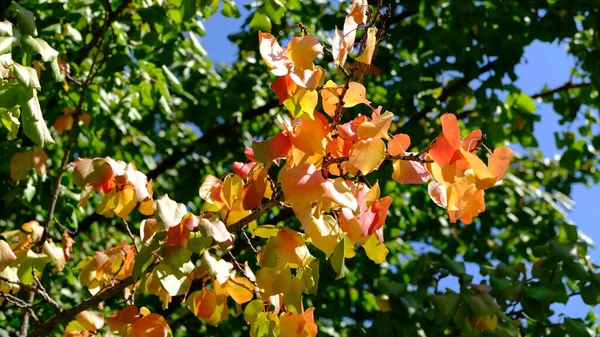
column 566, row 86
column 264, row 208
column 448, row 92
column 112, row 17
column 46, row 328
column 542, row 94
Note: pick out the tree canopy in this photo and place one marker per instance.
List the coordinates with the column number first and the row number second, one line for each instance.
column 148, row 192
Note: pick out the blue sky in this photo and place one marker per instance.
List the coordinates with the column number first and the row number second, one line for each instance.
column 543, row 64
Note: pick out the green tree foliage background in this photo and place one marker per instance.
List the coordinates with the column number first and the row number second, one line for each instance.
column 139, row 71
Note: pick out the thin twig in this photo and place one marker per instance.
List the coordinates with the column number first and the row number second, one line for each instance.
column 249, row 242
column 137, row 250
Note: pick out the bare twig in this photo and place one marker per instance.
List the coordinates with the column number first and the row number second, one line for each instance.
column 249, row 242
column 131, row 236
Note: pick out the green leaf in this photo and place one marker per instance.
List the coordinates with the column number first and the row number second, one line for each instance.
column 146, row 255
column 230, row 9
column 34, row 125
column 253, row 308
column 26, row 262
column 260, row 22
column 172, row 79
column 522, row 102
column 25, row 19
column 576, row 328
column 38, row 46
column 338, row 258
column 445, row 306
column 5, row 37
column 197, row 243
column 10, row 119
column 27, row 76
column 455, row 268
column 539, row 292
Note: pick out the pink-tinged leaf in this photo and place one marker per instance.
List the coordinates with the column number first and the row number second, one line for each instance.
column 374, row 217
column 249, row 153
column 94, row 172
column 308, row 78
column 410, row 172
column 273, row 55
column 6, row 255
column 242, row 169
column 273, row 148
column 438, row 193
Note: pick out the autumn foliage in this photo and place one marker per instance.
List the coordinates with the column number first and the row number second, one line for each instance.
column 316, row 165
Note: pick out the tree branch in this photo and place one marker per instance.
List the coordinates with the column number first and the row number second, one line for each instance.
column 46, row 328
column 264, row 208
column 112, row 17
column 566, row 86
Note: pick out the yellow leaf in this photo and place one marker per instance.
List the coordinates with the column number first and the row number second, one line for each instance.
column 377, row 128
column 340, row 48
column 376, row 251
column 367, row 155
column 367, row 55
column 126, row 203
column 231, row 190
column 324, row 232
column 291, row 248
column 483, row 177
column 303, row 50
column 272, row 282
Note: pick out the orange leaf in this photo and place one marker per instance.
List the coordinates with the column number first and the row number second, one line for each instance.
column 377, row 127
column 118, row 321
column 273, row 148
column 302, row 185
column 284, row 87
column 445, row 149
column 298, row 325
column 255, row 189
column 340, row 48
column 499, row 161
column 20, row 165
column 399, row 144
column 152, row 325
column 356, row 94
column 240, row 289
column 309, row 134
